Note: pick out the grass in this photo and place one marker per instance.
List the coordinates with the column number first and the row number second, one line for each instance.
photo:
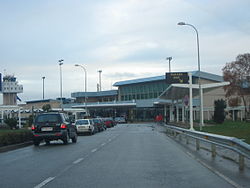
column 236, row 129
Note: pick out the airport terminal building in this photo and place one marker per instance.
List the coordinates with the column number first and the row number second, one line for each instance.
column 142, row 99
column 145, row 98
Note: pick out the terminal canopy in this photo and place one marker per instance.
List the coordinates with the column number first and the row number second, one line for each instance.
column 179, row 91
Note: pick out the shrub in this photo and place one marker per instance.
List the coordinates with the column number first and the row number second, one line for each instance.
column 46, row 107
column 8, row 137
column 11, row 122
column 219, row 111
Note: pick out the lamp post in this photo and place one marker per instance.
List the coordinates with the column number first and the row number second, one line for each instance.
column 85, row 83
column 60, row 64
column 100, row 80
column 43, row 86
column 169, row 59
column 199, row 70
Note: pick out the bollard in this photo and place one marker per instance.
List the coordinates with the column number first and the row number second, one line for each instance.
column 241, row 162
column 213, row 150
column 197, row 145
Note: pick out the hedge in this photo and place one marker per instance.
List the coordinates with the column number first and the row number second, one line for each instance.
column 8, row 137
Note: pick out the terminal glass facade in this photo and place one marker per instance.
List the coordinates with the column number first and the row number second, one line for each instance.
column 139, row 91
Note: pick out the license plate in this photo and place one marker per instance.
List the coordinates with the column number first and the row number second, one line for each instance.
column 47, row 129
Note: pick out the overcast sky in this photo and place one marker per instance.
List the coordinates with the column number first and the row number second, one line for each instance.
column 126, row 39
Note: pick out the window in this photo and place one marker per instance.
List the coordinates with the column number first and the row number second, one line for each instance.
column 138, row 96
column 50, row 118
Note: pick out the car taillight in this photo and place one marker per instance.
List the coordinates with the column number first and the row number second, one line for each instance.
column 63, row 126
column 33, row 128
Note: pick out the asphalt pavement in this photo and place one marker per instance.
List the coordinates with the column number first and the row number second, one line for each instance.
column 128, row 155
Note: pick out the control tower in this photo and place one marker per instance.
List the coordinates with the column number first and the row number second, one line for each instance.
column 10, row 87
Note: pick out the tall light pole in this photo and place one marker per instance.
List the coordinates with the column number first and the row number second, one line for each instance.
column 60, row 64
column 85, row 83
column 100, row 80
column 199, row 71
column 169, row 59
column 43, row 86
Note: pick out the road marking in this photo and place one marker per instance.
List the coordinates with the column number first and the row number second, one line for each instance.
column 110, row 140
column 44, row 182
column 94, row 150
column 78, row 160
column 227, row 179
column 103, row 144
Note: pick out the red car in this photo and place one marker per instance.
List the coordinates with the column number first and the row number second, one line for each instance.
column 109, row 122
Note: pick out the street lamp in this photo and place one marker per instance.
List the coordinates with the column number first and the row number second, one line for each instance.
column 43, row 86
column 169, row 59
column 199, row 71
column 100, row 80
column 60, row 64
column 85, row 100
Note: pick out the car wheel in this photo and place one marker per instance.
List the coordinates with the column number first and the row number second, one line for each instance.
column 74, row 139
column 47, row 142
column 66, row 139
column 36, row 142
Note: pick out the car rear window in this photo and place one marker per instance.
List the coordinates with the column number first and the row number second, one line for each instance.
column 50, row 118
column 82, row 122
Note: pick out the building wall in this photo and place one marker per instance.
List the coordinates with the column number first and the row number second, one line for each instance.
column 39, row 105
column 212, row 96
column 9, row 99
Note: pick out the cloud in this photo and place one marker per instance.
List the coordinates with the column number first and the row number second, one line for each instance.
column 125, row 39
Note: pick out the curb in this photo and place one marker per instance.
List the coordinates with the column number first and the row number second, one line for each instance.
column 15, row 146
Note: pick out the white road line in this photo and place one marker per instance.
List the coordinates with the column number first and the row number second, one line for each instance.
column 103, row 144
column 44, row 182
column 94, row 150
column 78, row 160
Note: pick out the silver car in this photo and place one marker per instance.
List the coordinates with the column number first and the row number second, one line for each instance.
column 85, row 126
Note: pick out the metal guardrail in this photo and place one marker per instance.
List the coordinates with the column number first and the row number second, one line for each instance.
column 231, row 143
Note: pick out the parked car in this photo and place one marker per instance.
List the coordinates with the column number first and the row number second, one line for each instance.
column 53, row 126
column 120, row 120
column 85, row 126
column 109, row 122
column 98, row 122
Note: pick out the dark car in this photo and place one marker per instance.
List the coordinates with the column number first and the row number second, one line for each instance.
column 53, row 126
column 99, row 124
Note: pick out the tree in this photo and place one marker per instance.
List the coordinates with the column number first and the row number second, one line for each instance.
column 219, row 111
column 11, row 122
column 46, row 107
column 237, row 73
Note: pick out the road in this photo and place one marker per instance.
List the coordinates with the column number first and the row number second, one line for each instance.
column 128, row 155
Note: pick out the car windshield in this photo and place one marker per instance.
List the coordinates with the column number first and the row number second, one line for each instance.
column 51, row 118
column 96, row 120
column 82, row 122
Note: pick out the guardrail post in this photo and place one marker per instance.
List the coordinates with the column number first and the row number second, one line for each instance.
column 197, row 144
column 213, row 150
column 175, row 134
column 241, row 162
column 187, row 141
column 180, row 138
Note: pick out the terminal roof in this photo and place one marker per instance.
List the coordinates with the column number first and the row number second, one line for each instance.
column 203, row 75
